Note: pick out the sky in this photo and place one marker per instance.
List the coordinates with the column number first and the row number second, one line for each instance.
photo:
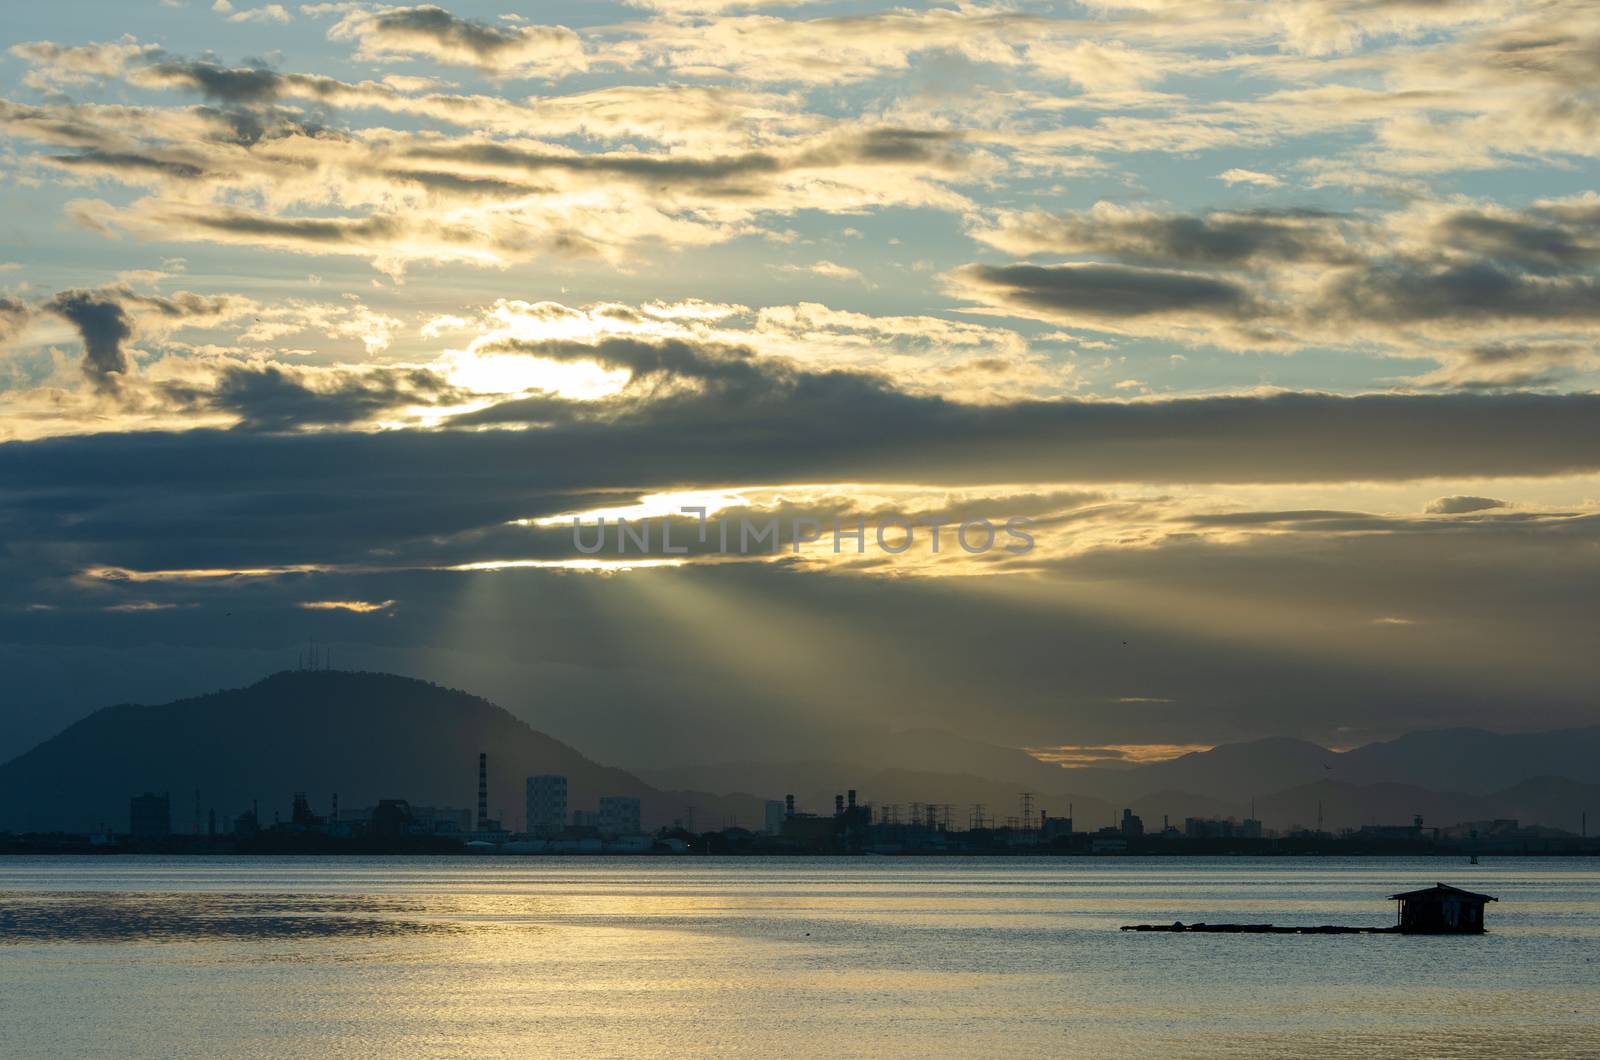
column 1276, row 323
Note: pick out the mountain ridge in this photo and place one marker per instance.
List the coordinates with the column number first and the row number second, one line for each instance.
column 361, row 734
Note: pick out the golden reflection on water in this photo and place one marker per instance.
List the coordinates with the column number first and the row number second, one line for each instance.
column 692, row 957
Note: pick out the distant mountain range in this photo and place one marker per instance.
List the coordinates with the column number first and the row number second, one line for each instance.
column 1468, row 760
column 1446, row 775
column 368, row 736
column 365, row 736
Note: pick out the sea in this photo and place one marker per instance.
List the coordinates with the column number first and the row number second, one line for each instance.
column 142, row 956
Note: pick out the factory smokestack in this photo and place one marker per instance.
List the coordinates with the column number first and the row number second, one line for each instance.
column 483, row 791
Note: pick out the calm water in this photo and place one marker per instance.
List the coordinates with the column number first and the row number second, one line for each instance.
column 486, row 957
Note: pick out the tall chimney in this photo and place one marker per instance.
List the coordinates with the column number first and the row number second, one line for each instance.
column 852, row 795
column 483, row 790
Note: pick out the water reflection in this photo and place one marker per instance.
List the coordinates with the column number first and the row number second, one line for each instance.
column 154, row 917
column 748, row 958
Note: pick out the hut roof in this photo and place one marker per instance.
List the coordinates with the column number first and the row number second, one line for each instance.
column 1441, row 891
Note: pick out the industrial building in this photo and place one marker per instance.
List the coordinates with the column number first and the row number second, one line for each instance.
column 619, row 815
column 426, row 820
column 547, row 804
column 844, row 832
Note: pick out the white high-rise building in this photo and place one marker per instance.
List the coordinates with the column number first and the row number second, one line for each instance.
column 547, row 804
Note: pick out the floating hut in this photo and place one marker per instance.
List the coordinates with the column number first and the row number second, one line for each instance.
column 1441, row 910
column 1437, row 910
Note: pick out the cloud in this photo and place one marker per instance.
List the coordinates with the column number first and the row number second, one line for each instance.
column 390, row 500
column 229, row 84
column 265, row 13
column 127, row 166
column 707, row 6
column 359, row 607
column 110, row 319
column 104, row 327
column 395, row 198
column 828, row 270
column 666, row 113
column 919, row 354
column 278, row 397
column 14, row 316
column 1253, row 177
column 1097, row 293
column 1496, row 296
column 434, row 33
column 474, row 200
column 1462, row 505
column 1224, row 238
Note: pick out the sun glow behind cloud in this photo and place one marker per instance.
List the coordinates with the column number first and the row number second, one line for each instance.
column 509, row 374
column 1078, row 756
column 359, row 607
column 650, row 506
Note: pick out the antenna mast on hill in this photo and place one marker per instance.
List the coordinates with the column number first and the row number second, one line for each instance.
column 313, row 657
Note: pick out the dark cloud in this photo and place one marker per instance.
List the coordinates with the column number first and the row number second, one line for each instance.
column 729, row 174
column 1110, row 292
column 374, row 229
column 403, row 26
column 1497, row 297
column 457, row 184
column 436, row 33
column 1460, row 505
column 878, row 434
column 127, row 162
column 888, row 145
column 276, row 494
column 68, row 125
column 1542, row 240
column 104, row 326
column 653, row 364
column 14, row 316
column 271, row 398
column 1403, row 293
column 1232, row 239
column 238, row 85
column 106, row 319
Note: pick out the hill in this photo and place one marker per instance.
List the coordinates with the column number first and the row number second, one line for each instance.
column 1470, row 761
column 1474, row 760
column 365, row 736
